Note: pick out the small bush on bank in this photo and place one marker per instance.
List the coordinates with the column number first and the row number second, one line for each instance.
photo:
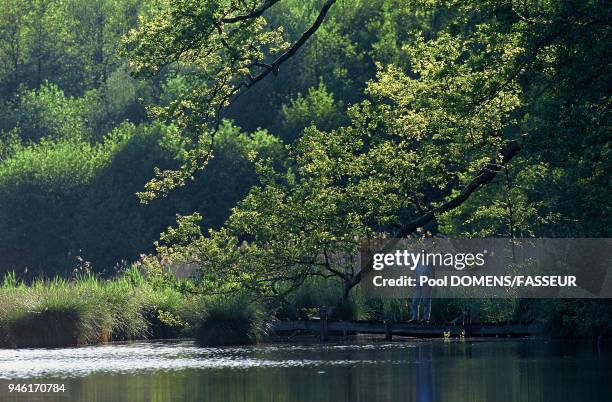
column 231, row 320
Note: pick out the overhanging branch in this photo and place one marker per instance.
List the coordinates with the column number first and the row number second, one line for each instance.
column 484, row 176
column 253, row 14
column 273, row 67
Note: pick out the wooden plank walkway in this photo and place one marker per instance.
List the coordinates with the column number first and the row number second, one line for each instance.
column 331, row 327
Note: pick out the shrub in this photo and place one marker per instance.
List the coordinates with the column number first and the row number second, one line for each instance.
column 231, row 320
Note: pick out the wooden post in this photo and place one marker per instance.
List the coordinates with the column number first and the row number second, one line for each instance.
column 388, row 335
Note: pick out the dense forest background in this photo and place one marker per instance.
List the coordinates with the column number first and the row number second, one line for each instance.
column 77, row 142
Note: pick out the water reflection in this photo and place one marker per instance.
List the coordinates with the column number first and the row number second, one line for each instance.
column 425, row 374
column 423, row 371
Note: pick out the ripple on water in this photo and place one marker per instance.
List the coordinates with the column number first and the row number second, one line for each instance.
column 159, row 356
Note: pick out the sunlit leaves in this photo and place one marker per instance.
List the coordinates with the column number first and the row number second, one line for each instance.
column 430, row 126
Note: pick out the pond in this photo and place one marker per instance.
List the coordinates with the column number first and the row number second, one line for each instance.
column 424, row 370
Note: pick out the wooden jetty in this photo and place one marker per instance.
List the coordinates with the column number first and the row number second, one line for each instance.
column 326, row 327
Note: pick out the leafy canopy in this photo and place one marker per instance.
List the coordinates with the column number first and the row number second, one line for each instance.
column 434, row 128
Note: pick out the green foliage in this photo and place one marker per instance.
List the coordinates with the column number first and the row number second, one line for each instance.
column 72, row 43
column 342, row 53
column 87, row 310
column 391, row 310
column 120, row 98
column 434, row 126
column 318, row 108
column 195, row 33
column 46, row 113
column 391, row 108
column 305, row 302
column 404, row 152
column 169, row 312
column 231, row 320
column 41, row 187
column 555, row 186
column 9, row 143
column 64, row 199
column 575, row 318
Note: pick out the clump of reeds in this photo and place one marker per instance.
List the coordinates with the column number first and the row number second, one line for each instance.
column 231, row 320
column 88, row 310
column 51, row 314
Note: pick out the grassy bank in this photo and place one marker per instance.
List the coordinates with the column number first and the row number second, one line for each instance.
column 90, row 310
column 60, row 312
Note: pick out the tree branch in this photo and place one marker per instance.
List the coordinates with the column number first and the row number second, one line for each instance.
column 253, row 14
column 273, row 67
column 484, row 176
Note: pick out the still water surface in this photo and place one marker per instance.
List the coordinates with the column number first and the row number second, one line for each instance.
column 424, row 371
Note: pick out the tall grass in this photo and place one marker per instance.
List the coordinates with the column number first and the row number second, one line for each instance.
column 231, row 320
column 52, row 315
column 87, row 310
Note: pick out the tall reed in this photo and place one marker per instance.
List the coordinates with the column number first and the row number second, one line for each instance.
column 58, row 312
